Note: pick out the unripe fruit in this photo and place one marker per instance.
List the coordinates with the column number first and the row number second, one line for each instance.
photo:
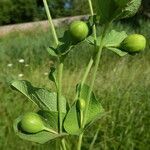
column 31, row 123
column 79, row 30
column 81, row 104
column 133, row 43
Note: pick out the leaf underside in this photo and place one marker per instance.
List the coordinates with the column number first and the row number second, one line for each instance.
column 45, row 99
column 110, row 10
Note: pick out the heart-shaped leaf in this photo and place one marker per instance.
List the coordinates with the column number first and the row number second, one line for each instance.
column 114, row 38
column 106, row 9
column 95, row 109
column 110, row 10
column 42, row 97
column 126, row 8
column 40, row 137
column 111, row 41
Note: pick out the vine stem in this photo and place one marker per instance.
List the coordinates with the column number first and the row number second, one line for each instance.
column 98, row 56
column 80, row 141
column 85, row 76
column 94, row 139
column 63, row 144
column 94, row 27
column 60, row 72
column 50, row 22
column 87, row 72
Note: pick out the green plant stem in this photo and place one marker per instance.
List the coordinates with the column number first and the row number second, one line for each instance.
column 50, row 130
column 87, row 72
column 85, row 76
column 60, row 72
column 94, row 139
column 50, row 22
column 98, row 56
column 80, row 141
column 94, row 26
column 63, row 144
column 88, row 68
column 92, row 85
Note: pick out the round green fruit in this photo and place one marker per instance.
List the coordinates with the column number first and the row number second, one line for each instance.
column 79, row 30
column 31, row 123
column 81, row 104
column 133, row 43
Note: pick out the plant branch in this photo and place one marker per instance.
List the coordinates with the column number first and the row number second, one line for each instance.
column 94, row 74
column 50, row 22
column 94, row 139
column 63, row 144
column 60, row 72
column 87, row 72
column 94, row 27
column 80, row 142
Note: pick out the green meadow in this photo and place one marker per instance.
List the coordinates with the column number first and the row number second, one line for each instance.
column 122, row 86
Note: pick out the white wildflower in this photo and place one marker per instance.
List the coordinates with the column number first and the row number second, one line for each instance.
column 9, row 65
column 45, row 73
column 21, row 60
column 20, row 75
column 26, row 65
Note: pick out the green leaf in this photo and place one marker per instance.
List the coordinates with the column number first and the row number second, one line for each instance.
column 40, row 137
column 52, row 51
column 110, row 10
column 114, row 38
column 117, row 51
column 126, row 8
column 111, row 42
column 106, row 9
column 95, row 108
column 52, row 75
column 51, row 118
column 71, row 122
column 90, row 40
column 42, row 97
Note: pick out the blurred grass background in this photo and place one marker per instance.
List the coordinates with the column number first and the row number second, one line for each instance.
column 122, row 86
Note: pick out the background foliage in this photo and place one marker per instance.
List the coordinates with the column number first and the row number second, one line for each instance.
column 17, row 11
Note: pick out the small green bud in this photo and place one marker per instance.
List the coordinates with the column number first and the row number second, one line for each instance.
column 32, row 123
column 79, row 30
column 133, row 43
column 81, row 104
